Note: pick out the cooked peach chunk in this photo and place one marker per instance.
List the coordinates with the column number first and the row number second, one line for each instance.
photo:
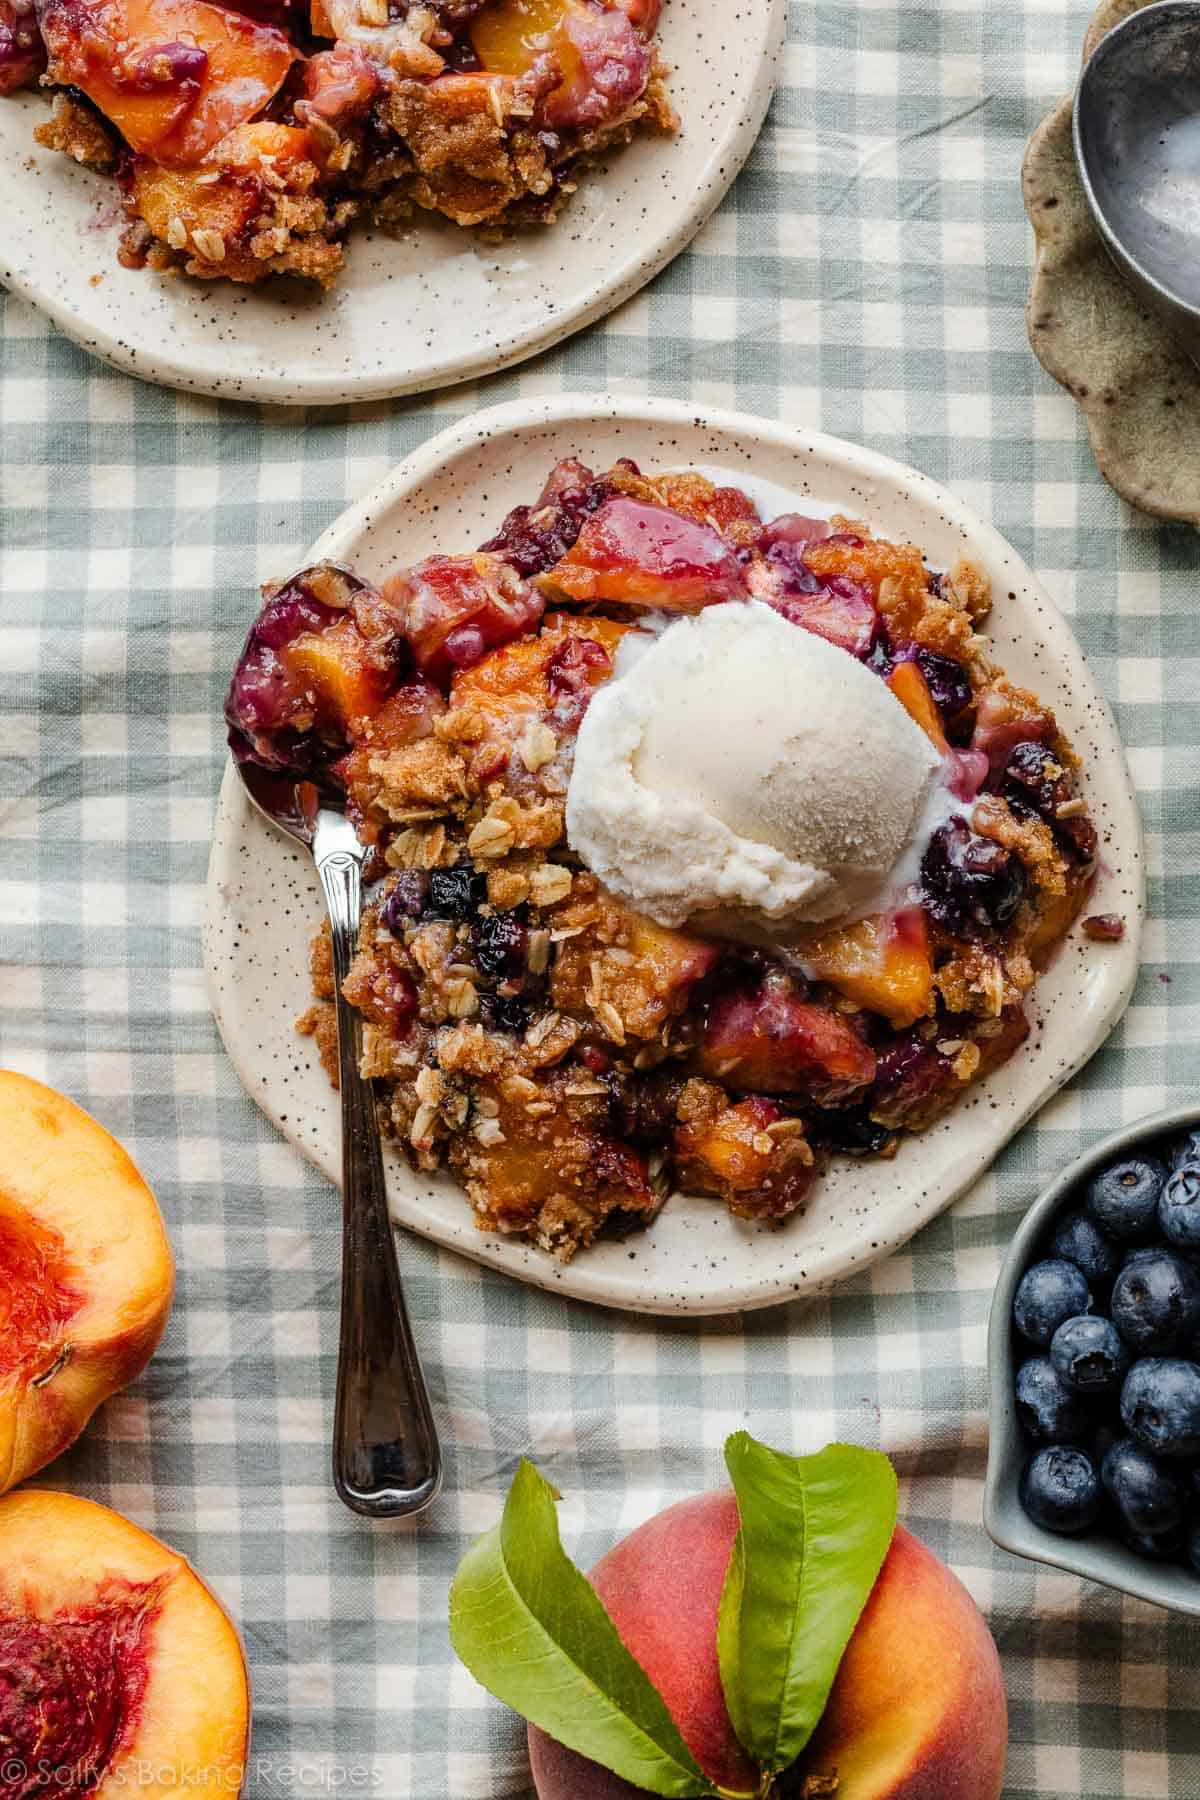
column 769, row 1041
column 125, row 1674
column 624, row 964
column 645, row 555
column 336, row 669
column 86, row 1274
column 456, row 608
column 731, row 1150
column 553, row 673
column 174, row 76
column 213, row 211
column 22, row 52
column 883, row 963
column 510, row 35
column 912, row 691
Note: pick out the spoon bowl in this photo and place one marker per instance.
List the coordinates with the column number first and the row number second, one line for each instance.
column 1136, row 129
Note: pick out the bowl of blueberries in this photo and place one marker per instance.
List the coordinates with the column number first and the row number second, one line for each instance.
column 1094, row 1351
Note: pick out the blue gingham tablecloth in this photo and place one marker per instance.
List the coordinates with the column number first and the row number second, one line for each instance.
column 867, row 275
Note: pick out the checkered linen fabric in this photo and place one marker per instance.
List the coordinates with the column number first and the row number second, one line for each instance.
column 867, row 275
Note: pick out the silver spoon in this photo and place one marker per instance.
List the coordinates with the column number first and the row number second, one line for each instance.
column 1137, row 144
column 387, row 1463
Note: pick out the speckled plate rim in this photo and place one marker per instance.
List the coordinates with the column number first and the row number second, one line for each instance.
column 1095, row 1559
column 699, row 195
column 879, row 1204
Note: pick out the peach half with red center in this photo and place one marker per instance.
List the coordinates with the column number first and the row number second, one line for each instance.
column 119, row 1670
column 86, row 1274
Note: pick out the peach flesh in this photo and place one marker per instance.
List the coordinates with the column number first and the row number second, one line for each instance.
column 37, row 1293
column 47, row 1667
column 917, row 1711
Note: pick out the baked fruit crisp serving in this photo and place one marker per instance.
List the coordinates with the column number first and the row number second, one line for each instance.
column 245, row 140
column 705, row 848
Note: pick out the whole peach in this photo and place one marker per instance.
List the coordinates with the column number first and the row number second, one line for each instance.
column 917, row 1711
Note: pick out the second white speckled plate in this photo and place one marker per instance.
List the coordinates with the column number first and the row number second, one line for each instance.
column 422, row 310
column 263, row 899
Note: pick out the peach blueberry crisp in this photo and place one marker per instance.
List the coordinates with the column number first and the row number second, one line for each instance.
column 245, row 140
column 568, row 1057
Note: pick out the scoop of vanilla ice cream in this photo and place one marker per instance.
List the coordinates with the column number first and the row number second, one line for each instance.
column 742, row 766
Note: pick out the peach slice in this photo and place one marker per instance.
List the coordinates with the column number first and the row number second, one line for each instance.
column 174, row 76
column 912, row 691
column 85, row 1273
column 917, row 1711
column 637, row 554
column 119, row 1671
column 882, row 962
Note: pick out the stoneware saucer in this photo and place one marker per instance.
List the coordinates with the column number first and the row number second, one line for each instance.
column 1096, row 1556
column 263, row 901
column 424, row 310
column 1138, row 390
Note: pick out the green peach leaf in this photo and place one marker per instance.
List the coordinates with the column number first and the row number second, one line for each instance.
column 814, row 1532
column 729, row 1642
column 534, row 1632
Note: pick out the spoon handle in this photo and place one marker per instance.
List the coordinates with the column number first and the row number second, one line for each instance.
column 386, row 1459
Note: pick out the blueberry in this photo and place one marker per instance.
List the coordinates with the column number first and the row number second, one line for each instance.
column 1163, row 1546
column 1060, row 1489
column 1046, row 1406
column 1192, row 1546
column 970, row 884
column 500, row 943
column 1160, row 1404
column 1156, row 1301
column 406, row 900
column 1088, row 1354
column 1080, row 1241
column 947, row 681
column 1150, row 1497
column 456, row 893
column 1048, row 1293
column 1123, row 1199
column 1179, row 1207
column 1185, row 1149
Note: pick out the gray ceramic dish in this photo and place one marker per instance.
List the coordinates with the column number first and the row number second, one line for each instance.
column 1096, row 1557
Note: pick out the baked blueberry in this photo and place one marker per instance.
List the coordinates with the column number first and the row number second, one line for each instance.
column 1184, row 1149
column 1079, row 1240
column 1046, row 1406
column 456, row 893
column 1150, row 1496
column 1123, row 1198
column 1088, row 1355
column 1155, row 1301
column 1160, row 1404
column 1048, row 1293
column 1192, row 1546
column 1060, row 1489
column 1179, row 1207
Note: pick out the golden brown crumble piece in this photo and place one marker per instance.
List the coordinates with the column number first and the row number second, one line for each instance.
column 78, row 132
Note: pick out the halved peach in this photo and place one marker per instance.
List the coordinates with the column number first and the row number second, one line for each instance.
column 85, row 1273
column 882, row 962
column 131, row 1675
column 174, row 76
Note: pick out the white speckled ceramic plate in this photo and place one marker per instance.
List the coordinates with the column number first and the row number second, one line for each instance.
column 432, row 307
column 263, row 899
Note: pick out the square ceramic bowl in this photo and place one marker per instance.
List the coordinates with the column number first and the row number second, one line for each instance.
column 1098, row 1556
